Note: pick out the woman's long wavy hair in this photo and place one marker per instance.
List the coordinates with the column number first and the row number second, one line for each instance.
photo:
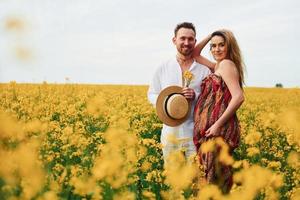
column 233, row 52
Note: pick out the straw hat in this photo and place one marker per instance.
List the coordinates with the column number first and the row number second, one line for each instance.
column 172, row 107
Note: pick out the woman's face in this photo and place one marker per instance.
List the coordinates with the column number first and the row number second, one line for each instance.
column 218, row 48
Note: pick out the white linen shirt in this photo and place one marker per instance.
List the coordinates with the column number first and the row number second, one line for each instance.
column 168, row 74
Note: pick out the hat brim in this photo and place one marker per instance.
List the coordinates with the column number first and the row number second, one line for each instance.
column 160, row 106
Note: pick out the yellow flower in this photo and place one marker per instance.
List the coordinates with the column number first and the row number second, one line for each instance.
column 188, row 77
column 15, row 23
column 210, row 192
column 276, row 180
column 179, row 174
column 253, row 180
column 83, row 186
column 237, row 164
column 274, row 165
column 252, row 138
column 208, row 146
column 125, row 195
column 252, row 151
column 294, row 160
column 224, row 154
column 148, row 194
column 296, row 194
column 146, row 166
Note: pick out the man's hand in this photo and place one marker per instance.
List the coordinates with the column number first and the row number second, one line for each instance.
column 188, row 93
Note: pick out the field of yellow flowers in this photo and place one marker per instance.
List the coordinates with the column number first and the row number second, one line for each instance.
column 71, row 141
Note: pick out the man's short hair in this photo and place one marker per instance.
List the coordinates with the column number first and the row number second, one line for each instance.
column 188, row 25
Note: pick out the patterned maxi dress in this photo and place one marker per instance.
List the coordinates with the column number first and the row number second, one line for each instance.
column 211, row 104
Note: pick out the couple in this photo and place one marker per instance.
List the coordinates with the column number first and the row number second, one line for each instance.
column 214, row 95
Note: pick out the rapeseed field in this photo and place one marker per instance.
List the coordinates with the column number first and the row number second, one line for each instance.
column 72, row 141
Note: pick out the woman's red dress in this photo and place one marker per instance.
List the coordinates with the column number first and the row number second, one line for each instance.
column 211, row 104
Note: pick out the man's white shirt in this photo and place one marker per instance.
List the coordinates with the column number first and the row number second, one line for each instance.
column 168, row 74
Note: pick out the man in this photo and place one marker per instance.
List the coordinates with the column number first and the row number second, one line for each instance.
column 171, row 73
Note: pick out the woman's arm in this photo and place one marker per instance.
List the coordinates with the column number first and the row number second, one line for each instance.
column 227, row 70
column 204, row 61
column 197, row 53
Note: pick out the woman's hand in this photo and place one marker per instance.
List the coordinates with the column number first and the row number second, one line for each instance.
column 213, row 131
column 199, row 58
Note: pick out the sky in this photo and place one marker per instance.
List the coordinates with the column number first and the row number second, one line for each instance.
column 123, row 42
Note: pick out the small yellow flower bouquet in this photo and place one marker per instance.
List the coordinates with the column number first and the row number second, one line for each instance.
column 188, row 77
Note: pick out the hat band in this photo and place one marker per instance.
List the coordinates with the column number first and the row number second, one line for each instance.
column 165, row 105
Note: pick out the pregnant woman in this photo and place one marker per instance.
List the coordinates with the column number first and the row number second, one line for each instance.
column 221, row 96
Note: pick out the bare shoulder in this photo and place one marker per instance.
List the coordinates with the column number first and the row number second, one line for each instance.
column 227, row 65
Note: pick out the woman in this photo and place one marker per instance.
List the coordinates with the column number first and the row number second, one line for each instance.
column 221, row 96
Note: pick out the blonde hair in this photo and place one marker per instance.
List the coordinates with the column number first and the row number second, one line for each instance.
column 233, row 52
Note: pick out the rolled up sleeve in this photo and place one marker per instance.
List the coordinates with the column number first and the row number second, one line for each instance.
column 154, row 88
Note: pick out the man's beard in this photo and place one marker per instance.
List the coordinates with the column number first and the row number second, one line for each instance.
column 185, row 52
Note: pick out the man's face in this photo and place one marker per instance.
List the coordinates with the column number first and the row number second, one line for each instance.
column 185, row 41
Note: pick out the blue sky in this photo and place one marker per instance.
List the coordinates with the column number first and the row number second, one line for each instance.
column 123, row 42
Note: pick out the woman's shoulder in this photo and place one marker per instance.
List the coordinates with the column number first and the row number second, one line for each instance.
column 226, row 63
column 227, row 66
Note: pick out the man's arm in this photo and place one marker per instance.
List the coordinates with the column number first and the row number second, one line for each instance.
column 154, row 88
